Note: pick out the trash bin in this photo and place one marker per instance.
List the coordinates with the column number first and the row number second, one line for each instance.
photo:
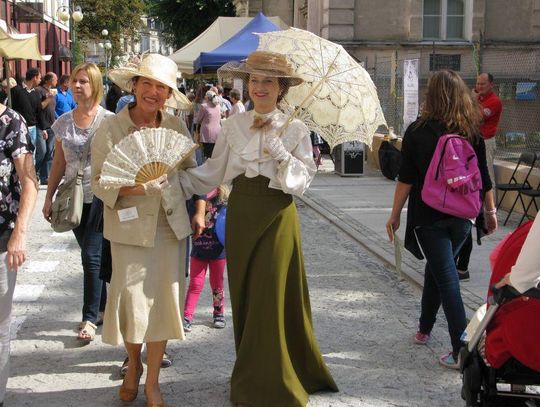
column 349, row 159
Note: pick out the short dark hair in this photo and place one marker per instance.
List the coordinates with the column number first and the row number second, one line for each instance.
column 490, row 77
column 63, row 79
column 31, row 74
column 48, row 77
column 235, row 93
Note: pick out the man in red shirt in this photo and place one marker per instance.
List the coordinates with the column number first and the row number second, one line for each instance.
column 491, row 111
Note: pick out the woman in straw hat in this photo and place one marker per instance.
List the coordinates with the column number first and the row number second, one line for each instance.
column 268, row 159
column 147, row 226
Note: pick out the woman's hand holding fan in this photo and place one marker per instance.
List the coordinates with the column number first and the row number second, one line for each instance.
column 144, row 156
column 156, row 186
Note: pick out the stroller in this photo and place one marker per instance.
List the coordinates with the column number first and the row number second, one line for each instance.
column 513, row 383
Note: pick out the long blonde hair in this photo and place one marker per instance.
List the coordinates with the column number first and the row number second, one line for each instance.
column 450, row 101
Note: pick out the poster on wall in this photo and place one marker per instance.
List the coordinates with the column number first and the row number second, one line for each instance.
column 410, row 92
column 526, row 90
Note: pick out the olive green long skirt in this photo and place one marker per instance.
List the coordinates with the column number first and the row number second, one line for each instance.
column 278, row 361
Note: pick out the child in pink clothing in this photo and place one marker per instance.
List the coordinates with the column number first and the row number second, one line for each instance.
column 208, row 253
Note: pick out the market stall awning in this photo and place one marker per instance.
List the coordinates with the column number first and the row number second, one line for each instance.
column 219, row 32
column 237, row 47
column 19, row 46
column 14, row 45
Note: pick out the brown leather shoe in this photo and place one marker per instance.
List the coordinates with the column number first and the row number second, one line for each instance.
column 126, row 394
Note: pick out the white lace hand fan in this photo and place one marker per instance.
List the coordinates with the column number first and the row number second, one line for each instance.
column 144, row 156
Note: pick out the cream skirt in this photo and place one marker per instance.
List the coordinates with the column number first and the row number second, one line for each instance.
column 146, row 296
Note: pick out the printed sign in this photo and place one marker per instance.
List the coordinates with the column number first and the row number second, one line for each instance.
column 410, row 91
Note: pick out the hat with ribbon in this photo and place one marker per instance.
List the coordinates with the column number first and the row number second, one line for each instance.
column 158, row 68
column 262, row 63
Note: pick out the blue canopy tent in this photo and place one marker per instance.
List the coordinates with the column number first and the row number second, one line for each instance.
column 237, row 47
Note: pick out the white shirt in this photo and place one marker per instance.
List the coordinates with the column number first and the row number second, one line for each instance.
column 526, row 272
column 240, row 150
column 238, row 107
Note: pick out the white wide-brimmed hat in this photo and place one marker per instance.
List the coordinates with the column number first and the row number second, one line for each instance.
column 158, row 68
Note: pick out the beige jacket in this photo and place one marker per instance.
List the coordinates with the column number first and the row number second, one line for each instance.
column 142, row 230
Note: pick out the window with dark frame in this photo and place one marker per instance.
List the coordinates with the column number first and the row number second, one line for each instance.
column 444, row 61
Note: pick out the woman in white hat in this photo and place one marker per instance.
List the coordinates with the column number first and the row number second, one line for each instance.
column 147, row 226
column 268, row 158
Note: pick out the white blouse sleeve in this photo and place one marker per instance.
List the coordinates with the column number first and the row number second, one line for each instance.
column 526, row 272
column 296, row 173
column 201, row 180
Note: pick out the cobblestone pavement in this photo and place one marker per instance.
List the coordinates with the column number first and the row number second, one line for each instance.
column 364, row 318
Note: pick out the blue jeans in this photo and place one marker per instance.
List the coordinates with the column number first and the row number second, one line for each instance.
column 90, row 241
column 464, row 255
column 32, row 132
column 440, row 243
column 44, row 154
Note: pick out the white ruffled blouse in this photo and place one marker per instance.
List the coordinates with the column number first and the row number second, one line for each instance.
column 240, row 150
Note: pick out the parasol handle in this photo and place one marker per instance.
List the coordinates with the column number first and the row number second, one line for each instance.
column 309, row 96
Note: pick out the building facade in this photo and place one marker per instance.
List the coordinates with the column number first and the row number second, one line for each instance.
column 149, row 38
column 41, row 18
column 468, row 36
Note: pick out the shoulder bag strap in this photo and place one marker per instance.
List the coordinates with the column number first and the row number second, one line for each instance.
column 95, row 125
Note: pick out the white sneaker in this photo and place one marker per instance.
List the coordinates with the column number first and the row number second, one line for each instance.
column 219, row 322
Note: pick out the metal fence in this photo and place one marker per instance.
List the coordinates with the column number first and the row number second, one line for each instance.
column 517, row 78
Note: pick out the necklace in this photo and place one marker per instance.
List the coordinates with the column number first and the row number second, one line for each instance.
column 141, row 123
column 84, row 119
column 153, row 123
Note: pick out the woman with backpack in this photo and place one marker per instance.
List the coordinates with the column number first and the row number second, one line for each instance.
column 449, row 108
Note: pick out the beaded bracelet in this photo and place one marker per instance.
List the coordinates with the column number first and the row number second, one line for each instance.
column 491, row 211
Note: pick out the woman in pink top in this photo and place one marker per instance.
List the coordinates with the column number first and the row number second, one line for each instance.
column 209, row 119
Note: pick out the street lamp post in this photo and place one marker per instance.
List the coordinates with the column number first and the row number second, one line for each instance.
column 107, row 49
column 67, row 13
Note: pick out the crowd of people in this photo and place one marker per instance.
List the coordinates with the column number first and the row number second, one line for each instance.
column 137, row 238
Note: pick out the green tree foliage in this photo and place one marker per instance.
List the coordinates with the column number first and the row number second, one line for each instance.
column 183, row 20
column 119, row 17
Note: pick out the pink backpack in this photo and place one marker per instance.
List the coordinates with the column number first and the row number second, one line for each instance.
column 453, row 183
